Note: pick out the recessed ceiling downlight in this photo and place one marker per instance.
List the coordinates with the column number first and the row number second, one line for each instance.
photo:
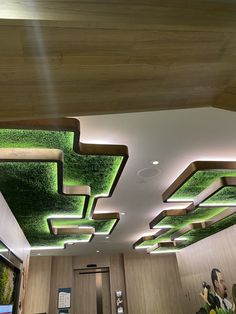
column 155, row 162
column 147, row 173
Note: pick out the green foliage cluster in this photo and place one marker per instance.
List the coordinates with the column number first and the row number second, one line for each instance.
column 178, row 222
column 96, row 171
column 189, row 191
column 198, row 182
column 99, row 225
column 6, row 284
column 226, row 195
column 30, row 188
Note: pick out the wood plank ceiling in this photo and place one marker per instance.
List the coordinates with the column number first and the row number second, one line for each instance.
column 65, row 57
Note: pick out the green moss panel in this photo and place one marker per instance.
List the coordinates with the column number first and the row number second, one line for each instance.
column 7, row 278
column 177, row 222
column 99, row 225
column 197, row 235
column 198, row 182
column 30, row 188
column 96, row 171
column 226, row 196
column 214, row 205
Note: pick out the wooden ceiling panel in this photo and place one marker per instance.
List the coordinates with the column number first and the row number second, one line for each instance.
column 76, row 58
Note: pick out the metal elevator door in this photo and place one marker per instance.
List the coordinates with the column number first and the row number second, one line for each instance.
column 92, row 291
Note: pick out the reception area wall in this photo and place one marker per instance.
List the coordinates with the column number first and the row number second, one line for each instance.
column 162, row 284
column 151, row 284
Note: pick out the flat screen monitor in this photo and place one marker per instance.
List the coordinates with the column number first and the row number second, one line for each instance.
column 9, row 286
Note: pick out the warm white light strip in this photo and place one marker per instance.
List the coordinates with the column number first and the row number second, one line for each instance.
column 181, row 239
column 163, row 252
column 84, row 227
column 76, row 241
column 178, row 200
column 217, row 204
column 101, row 233
column 162, row 227
column 102, row 195
column 142, row 247
column 41, row 248
column 4, row 251
column 64, row 216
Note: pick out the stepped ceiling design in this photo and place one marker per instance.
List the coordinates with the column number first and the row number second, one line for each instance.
column 209, row 190
column 52, row 181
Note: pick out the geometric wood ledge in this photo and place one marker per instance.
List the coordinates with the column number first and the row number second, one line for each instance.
column 209, row 190
column 52, row 181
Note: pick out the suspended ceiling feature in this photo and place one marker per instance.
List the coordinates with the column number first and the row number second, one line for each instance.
column 61, row 58
column 52, row 181
column 210, row 189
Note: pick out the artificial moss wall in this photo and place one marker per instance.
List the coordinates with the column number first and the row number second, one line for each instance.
column 226, row 196
column 96, row 171
column 178, row 222
column 210, row 208
column 198, row 182
column 199, row 234
column 7, row 281
column 104, row 226
column 31, row 188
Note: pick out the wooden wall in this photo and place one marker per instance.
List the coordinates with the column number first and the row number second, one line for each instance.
column 196, row 262
column 153, row 284
column 116, row 266
column 47, row 274
column 62, row 277
column 38, row 291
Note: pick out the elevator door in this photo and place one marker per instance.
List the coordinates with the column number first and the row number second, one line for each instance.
column 92, row 291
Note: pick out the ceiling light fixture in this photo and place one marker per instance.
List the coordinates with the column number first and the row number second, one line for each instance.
column 162, row 227
column 37, row 248
column 165, row 251
column 155, row 162
column 142, row 247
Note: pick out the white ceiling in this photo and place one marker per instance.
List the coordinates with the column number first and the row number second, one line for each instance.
column 174, row 138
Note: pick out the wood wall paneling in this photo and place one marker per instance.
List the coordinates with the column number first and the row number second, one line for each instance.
column 196, row 262
column 61, row 58
column 116, row 267
column 38, row 291
column 117, row 280
column 85, row 293
column 61, row 277
column 153, row 284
